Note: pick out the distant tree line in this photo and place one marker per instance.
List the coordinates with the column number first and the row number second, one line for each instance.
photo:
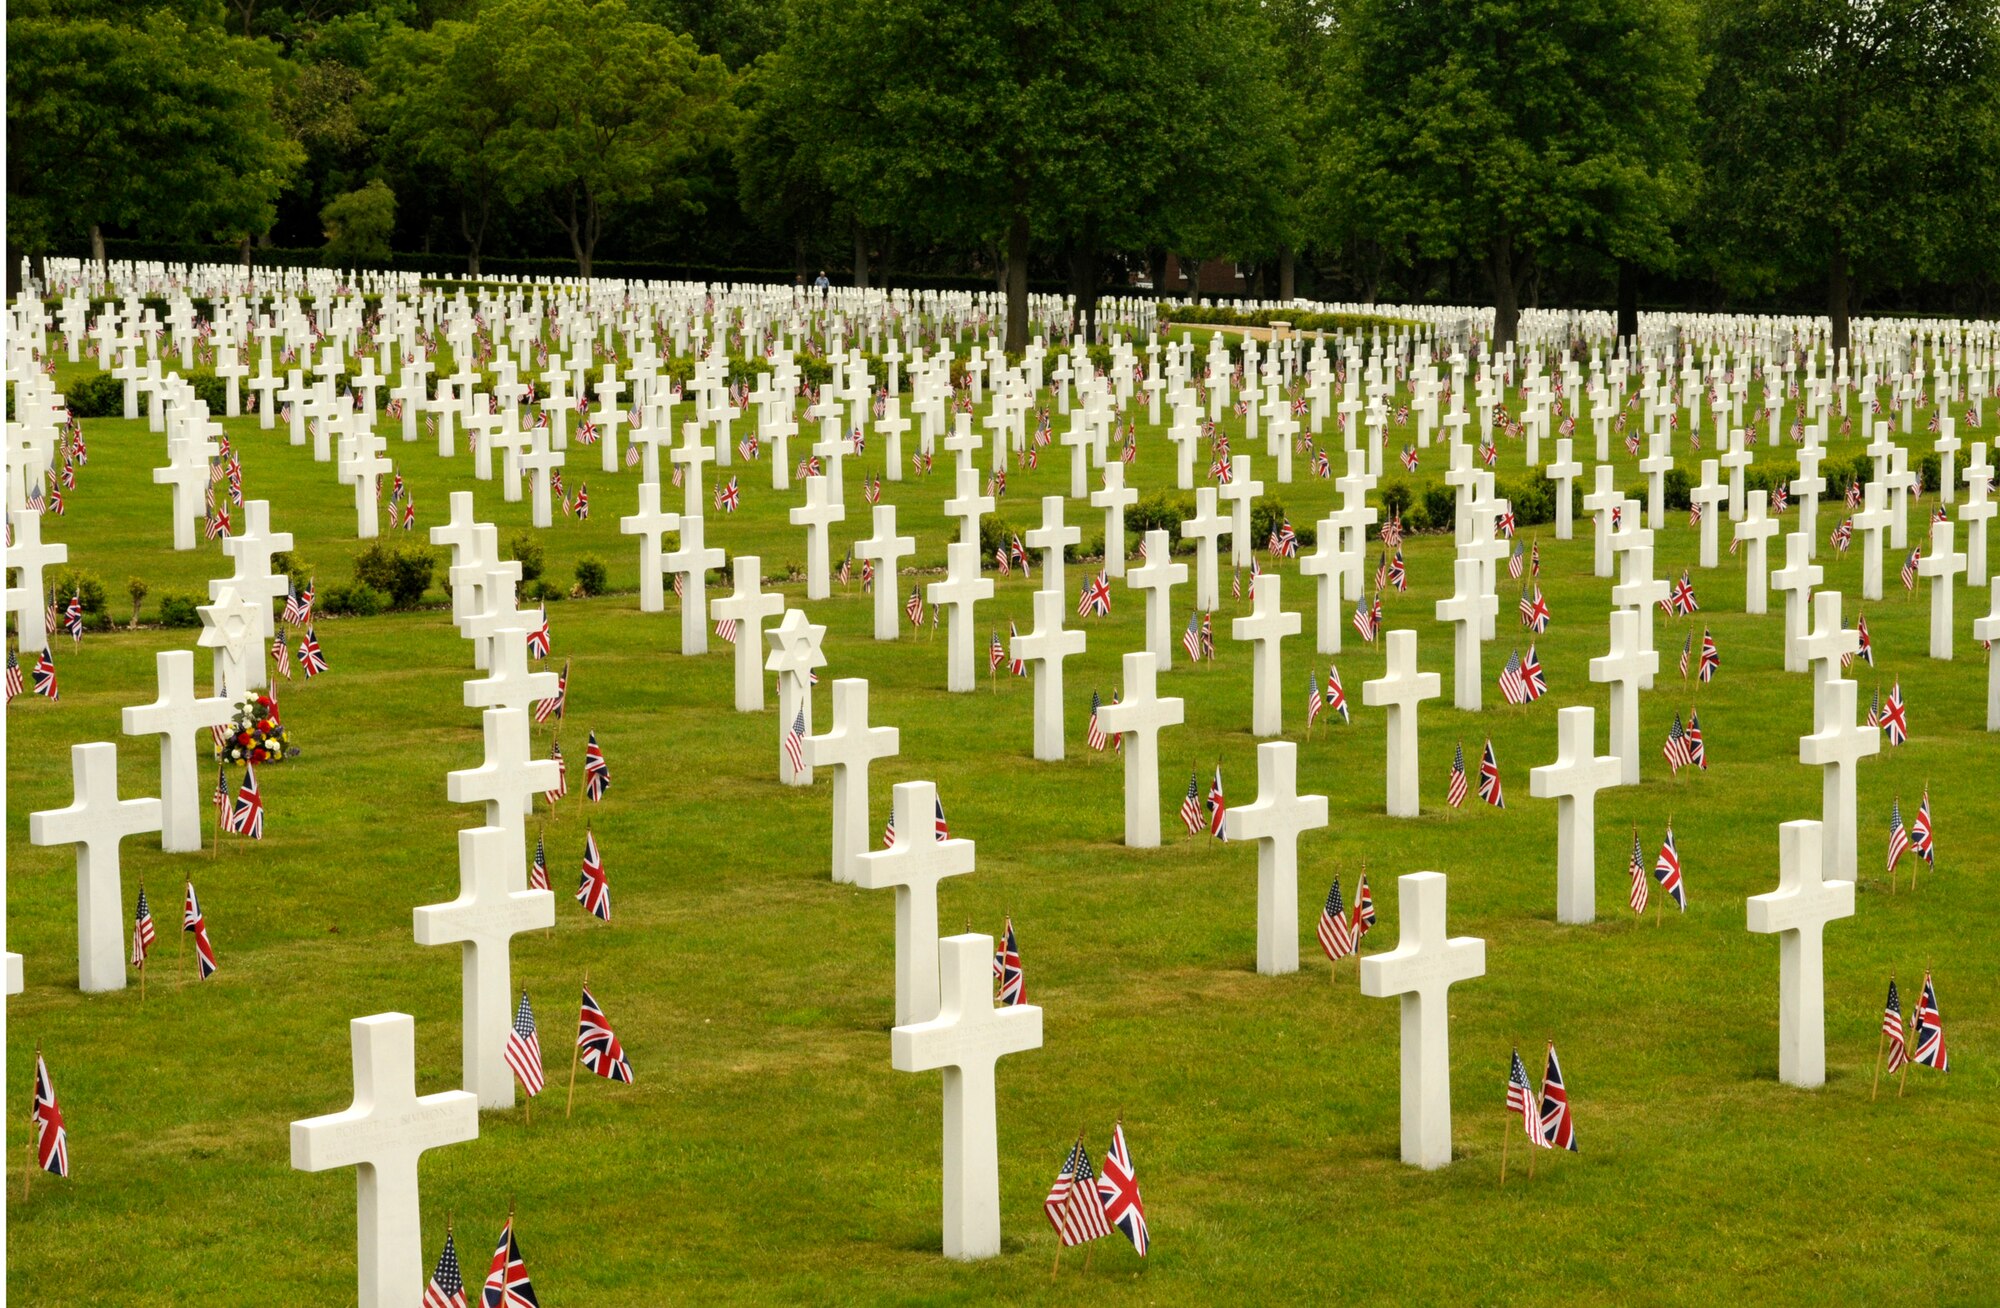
column 1819, row 154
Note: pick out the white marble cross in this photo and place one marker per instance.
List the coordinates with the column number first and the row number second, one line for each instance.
column 649, row 524
column 1603, row 499
column 1046, row 647
column 1203, row 529
column 30, row 556
column 967, row 1038
column 1573, row 781
column 962, row 588
column 692, row 560
column 1796, row 581
column 95, row 822
column 1139, row 717
column 848, row 747
column 381, row 1136
column 1266, row 627
column 1275, row 821
column 1563, row 472
column 1941, row 565
column 1798, row 911
column 1400, row 689
column 229, row 627
column 1708, row 495
column 1158, row 576
column 912, row 867
column 690, row 455
column 1114, row 499
column 817, row 515
column 1977, row 513
column 541, row 463
column 795, row 653
column 508, row 780
column 747, row 606
column 1051, row 538
column 1422, row 968
column 1828, row 644
column 1626, row 667
column 1238, row 494
column 1837, row 746
column 1469, row 610
column 1757, row 529
column 1988, row 630
column 178, row 718
column 494, row 905
column 1807, row 487
column 1327, row 565
column 968, row 506
column 1871, row 522
column 886, row 550
column 1640, row 592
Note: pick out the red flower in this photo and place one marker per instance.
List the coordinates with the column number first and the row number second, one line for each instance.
column 242, row 737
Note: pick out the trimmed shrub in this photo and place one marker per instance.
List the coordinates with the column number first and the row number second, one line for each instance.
column 402, row 572
column 78, row 581
column 359, row 600
column 1440, row 508
column 177, row 609
column 1677, row 488
column 96, row 395
column 592, row 577
column 526, row 549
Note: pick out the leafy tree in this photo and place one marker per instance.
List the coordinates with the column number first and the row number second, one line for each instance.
column 163, row 126
column 1500, row 129
column 440, row 113
column 1850, row 139
column 360, row 223
column 604, row 110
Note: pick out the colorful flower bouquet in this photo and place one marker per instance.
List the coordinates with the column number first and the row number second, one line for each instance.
column 255, row 734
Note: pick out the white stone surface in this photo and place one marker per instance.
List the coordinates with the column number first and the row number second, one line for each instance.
column 1044, row 649
column 1139, row 716
column 849, row 746
column 1573, row 781
column 179, row 719
column 1400, row 689
column 748, row 606
column 912, row 867
column 1275, row 821
column 1942, row 565
column 1798, row 911
column 1837, row 746
column 95, row 822
column 1625, row 667
column 1266, row 628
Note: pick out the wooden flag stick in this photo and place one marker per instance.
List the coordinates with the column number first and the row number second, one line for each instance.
column 1506, row 1138
column 1881, row 1039
column 28, row 1181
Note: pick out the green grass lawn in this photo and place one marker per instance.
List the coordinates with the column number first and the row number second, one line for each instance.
column 767, row 1151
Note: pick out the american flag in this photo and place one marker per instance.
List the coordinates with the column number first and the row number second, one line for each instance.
column 1920, row 831
column 1512, row 685
column 247, row 818
column 538, row 871
column 1843, row 535
column 281, row 656
column 221, row 794
column 1191, row 636
column 51, row 1135
column 1072, row 1205
column 1638, row 871
column 44, row 677
column 995, row 656
column 1892, row 1028
column 507, row 1284
column 1191, row 816
column 602, row 1053
column 1711, row 657
column 1236, row 583
column 1489, row 778
column 593, row 887
column 1336, row 935
column 1894, row 719
column 1096, row 597
column 1928, row 1030
column 1910, row 569
column 447, row 1284
column 1516, row 561
column 1218, row 805
column 795, row 741
column 1118, row 1192
column 1000, row 563
column 1521, row 1100
column 523, row 1052
column 914, row 607
column 1095, row 731
column 142, row 930
column 1364, row 619
column 562, row 771
column 311, row 658
column 596, row 772
column 1899, row 836
column 538, row 639
column 1455, row 795
column 1558, row 1127
column 192, row 920
column 553, row 706
column 1667, row 868
column 14, row 683
column 1676, row 748
column 1007, row 969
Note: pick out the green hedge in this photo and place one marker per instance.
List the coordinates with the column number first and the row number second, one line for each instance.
column 1215, row 316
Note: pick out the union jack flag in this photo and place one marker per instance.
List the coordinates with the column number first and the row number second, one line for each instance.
column 1928, row 1030
column 44, row 677
column 1711, row 657
column 1667, row 868
column 1118, row 1192
column 1680, row 600
column 192, row 920
column 247, row 818
column 507, row 1284
column 1920, row 831
column 1489, row 778
column 1534, row 610
column 311, row 658
column 1095, row 597
column 51, row 1135
column 602, row 1053
column 1558, row 1127
column 593, row 887
column 1007, row 969
column 1218, row 805
column 1894, row 719
column 596, row 772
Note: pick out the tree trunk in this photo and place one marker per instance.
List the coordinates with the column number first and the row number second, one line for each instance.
column 243, row 251
column 1628, row 300
column 860, row 256
column 1156, row 269
column 1838, row 289
column 475, row 237
column 1083, row 278
column 1017, row 271
column 1506, row 296
column 97, row 250
column 1287, row 279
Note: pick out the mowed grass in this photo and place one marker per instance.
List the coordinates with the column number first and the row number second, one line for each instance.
column 768, row 1152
